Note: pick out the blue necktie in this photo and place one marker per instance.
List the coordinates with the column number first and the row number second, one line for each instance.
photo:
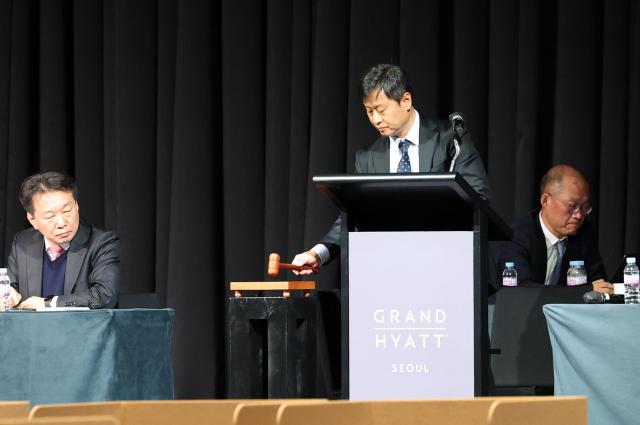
column 404, row 166
column 555, row 275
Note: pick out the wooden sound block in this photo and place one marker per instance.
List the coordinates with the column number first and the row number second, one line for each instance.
column 305, row 285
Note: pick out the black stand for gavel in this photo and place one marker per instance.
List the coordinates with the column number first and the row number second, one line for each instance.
column 272, row 344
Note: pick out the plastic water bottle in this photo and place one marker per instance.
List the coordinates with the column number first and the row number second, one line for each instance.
column 631, row 281
column 509, row 275
column 576, row 275
column 5, row 290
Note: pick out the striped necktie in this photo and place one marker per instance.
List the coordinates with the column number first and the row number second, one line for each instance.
column 555, row 274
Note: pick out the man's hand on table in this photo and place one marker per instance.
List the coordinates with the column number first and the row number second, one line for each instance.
column 602, row 286
column 32, row 302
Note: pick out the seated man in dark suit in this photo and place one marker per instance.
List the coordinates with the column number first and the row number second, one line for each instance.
column 546, row 241
column 408, row 143
column 61, row 261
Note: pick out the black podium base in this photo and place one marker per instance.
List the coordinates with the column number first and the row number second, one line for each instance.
column 272, row 347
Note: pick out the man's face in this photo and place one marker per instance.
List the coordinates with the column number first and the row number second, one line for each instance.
column 565, row 207
column 56, row 216
column 389, row 117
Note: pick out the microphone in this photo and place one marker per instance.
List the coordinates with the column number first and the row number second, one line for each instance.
column 457, row 124
column 594, row 297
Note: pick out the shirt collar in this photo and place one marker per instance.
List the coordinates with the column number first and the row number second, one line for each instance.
column 47, row 244
column 413, row 135
column 549, row 237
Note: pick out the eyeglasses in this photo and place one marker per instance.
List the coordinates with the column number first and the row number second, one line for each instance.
column 584, row 209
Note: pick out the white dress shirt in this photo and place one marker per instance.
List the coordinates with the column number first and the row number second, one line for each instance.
column 552, row 253
column 395, row 154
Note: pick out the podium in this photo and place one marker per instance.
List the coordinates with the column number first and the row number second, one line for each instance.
column 414, row 252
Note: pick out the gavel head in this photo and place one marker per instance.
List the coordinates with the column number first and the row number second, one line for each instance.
column 274, row 264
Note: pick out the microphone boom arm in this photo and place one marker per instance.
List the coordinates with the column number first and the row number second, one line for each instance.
column 455, row 156
column 457, row 124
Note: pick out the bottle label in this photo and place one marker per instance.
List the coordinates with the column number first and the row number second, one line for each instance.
column 509, row 281
column 633, row 279
column 5, row 296
column 576, row 280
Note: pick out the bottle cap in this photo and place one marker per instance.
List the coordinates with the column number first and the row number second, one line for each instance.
column 3, row 270
column 630, row 260
column 576, row 263
column 509, row 264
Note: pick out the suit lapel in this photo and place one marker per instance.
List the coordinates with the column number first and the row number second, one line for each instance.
column 35, row 251
column 380, row 157
column 75, row 257
column 540, row 262
column 428, row 139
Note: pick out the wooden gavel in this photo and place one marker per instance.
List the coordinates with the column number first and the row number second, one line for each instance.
column 275, row 265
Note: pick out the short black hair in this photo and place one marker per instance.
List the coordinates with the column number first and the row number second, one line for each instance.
column 49, row 181
column 386, row 77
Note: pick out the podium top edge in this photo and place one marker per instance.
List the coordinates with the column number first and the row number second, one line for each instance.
column 333, row 178
column 340, row 187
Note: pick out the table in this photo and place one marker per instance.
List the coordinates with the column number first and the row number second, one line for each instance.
column 596, row 352
column 76, row 356
column 525, row 362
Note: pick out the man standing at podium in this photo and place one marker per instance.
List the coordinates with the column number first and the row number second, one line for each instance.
column 61, row 261
column 408, row 143
column 545, row 241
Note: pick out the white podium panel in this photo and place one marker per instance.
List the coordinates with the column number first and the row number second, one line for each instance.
column 411, row 321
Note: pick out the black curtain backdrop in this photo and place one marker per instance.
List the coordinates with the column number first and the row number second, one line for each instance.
column 194, row 127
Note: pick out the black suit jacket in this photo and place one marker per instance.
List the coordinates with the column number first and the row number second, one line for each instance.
column 435, row 137
column 528, row 250
column 92, row 276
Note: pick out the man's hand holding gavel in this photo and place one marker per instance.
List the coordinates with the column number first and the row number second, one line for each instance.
column 309, row 258
column 274, row 266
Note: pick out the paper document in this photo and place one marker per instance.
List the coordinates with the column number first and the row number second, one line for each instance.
column 52, row 309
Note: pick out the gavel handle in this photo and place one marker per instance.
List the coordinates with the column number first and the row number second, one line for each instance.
column 297, row 268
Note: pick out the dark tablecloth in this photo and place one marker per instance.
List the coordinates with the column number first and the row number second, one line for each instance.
column 96, row 355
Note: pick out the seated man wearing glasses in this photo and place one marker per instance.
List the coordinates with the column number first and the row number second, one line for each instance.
column 544, row 242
